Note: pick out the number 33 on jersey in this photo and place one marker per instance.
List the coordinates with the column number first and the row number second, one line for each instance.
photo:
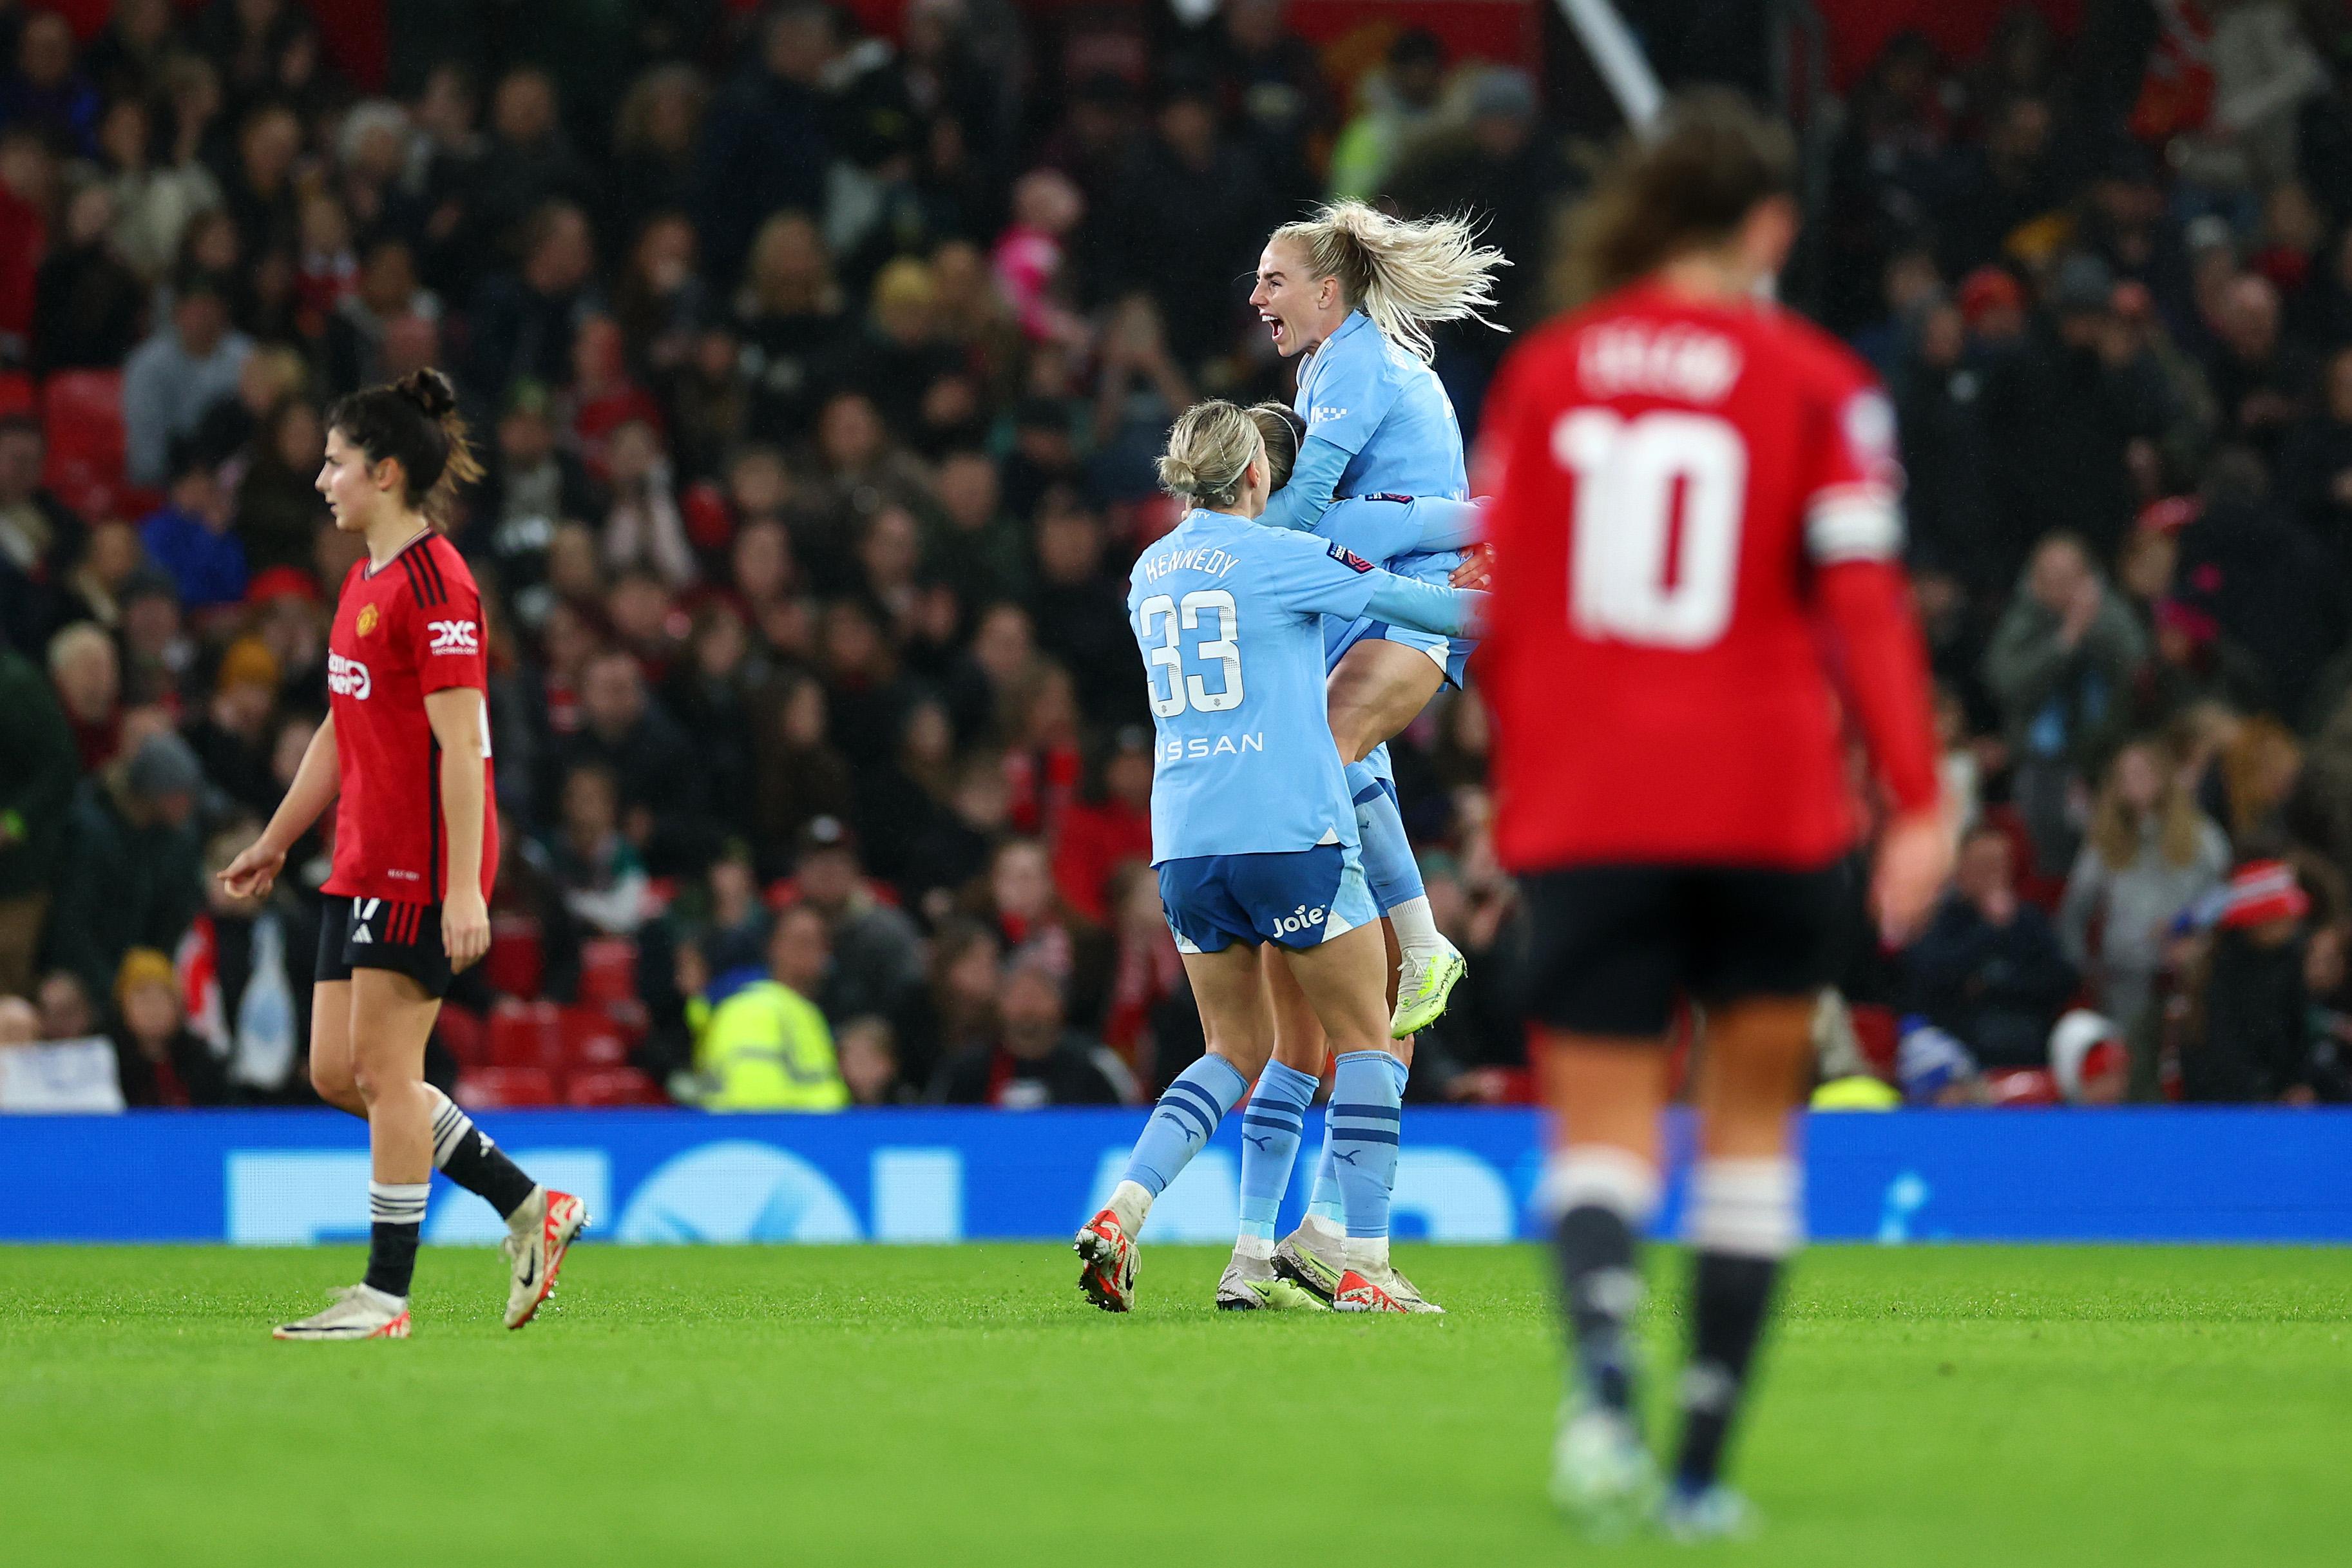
column 1676, row 486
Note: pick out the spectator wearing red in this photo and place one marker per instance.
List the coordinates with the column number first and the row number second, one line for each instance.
column 1109, row 830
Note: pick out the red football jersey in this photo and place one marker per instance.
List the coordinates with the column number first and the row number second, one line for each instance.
column 1687, row 495
column 407, row 628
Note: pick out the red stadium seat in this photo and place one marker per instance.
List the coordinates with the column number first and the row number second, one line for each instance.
column 515, row 964
column 591, row 1041
column 82, row 410
column 17, row 396
column 608, row 970
column 496, row 1088
column 526, row 1034
column 464, row 1033
column 612, row 1086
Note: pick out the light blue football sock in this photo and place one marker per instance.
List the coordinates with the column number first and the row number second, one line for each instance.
column 1184, row 1120
column 1390, row 869
column 1364, row 1118
column 1270, row 1129
column 1324, row 1203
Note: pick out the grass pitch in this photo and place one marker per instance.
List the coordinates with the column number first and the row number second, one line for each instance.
column 1968, row 1406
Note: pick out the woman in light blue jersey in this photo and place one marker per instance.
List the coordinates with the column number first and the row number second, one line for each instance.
column 1355, row 292
column 1253, row 831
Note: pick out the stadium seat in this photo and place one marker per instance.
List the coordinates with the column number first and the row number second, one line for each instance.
column 515, row 964
column 464, row 1035
column 17, row 394
column 591, row 1040
column 526, row 1034
column 612, row 1086
column 498, row 1089
column 608, row 970
column 81, row 411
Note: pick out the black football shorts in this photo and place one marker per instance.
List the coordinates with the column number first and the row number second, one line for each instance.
column 384, row 933
column 1612, row 947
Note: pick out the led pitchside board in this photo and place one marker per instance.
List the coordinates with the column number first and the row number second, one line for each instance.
column 290, row 1178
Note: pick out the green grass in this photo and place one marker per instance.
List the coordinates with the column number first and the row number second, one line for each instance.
column 1985, row 1406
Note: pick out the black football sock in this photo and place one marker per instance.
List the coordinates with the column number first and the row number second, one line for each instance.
column 1744, row 1222
column 397, row 1221
column 1603, row 1198
column 467, row 1156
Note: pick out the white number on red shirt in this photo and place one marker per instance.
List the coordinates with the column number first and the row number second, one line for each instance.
column 1632, row 579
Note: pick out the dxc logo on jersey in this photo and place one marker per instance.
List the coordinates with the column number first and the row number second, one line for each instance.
column 1298, row 919
column 453, row 637
column 348, row 676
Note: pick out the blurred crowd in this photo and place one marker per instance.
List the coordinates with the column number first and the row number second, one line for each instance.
column 818, row 375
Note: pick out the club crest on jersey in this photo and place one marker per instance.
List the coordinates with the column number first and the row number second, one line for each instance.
column 368, row 619
column 1349, row 559
column 453, row 636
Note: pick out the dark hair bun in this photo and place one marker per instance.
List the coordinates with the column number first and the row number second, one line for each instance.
column 430, row 391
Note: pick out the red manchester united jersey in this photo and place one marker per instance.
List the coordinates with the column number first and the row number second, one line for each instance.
column 403, row 629
column 1694, row 516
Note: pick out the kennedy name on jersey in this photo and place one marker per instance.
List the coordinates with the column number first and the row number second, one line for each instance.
column 1624, row 359
column 1206, row 558
column 348, row 676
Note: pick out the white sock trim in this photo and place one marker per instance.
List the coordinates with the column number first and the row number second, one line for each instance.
column 1416, row 927
column 1330, row 1231
column 1750, row 1208
column 450, row 1126
column 1258, row 1248
column 397, row 1203
column 1367, row 1255
column 1599, row 1176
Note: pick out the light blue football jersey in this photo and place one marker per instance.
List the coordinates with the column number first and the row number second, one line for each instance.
column 1229, row 618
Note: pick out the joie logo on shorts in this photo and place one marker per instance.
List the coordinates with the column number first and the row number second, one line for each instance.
column 1298, row 919
column 348, row 676
column 453, row 637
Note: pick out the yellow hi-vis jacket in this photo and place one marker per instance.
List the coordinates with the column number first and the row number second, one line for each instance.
column 765, row 1047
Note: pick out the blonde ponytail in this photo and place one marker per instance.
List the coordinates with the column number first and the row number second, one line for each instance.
column 1208, row 451
column 1405, row 276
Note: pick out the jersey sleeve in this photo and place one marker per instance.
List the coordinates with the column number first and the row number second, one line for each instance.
column 445, row 638
column 1313, row 576
column 1850, row 503
column 1379, row 528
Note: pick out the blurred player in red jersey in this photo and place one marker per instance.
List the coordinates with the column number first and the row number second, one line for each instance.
column 1698, row 550
column 405, row 753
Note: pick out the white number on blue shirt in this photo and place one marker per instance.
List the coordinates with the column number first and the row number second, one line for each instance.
column 1224, row 648
column 1626, row 582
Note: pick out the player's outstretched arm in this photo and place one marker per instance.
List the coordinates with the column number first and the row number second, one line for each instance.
column 1887, row 679
column 255, row 871
column 461, row 725
column 1300, row 504
column 1449, row 524
column 1426, row 606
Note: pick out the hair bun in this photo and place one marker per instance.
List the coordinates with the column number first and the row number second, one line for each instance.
column 430, row 391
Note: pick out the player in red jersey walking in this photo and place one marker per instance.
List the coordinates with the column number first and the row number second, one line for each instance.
column 1695, row 529
column 405, row 753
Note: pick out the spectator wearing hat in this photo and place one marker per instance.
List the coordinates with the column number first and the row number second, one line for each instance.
column 1989, row 970
column 159, row 1061
column 40, row 769
column 1036, row 1058
column 232, row 739
column 877, row 952
column 128, row 877
column 189, row 363
column 191, row 539
column 2256, row 1043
